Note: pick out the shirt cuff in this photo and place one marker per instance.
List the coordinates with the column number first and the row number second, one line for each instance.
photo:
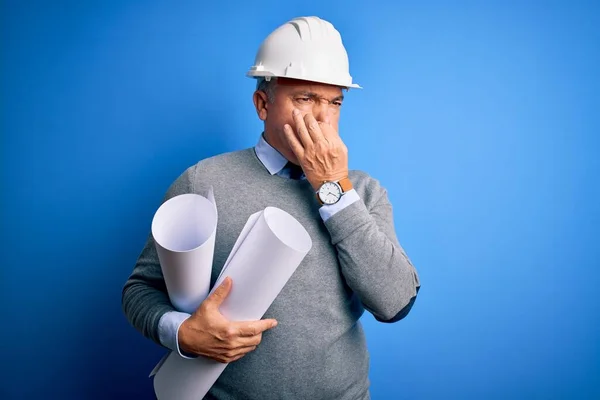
column 168, row 331
column 328, row 211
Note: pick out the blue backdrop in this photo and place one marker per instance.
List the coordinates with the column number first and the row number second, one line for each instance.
column 482, row 120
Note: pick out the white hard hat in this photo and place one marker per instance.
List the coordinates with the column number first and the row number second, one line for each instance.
column 307, row 48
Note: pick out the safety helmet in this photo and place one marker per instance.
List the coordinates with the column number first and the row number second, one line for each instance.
column 307, row 48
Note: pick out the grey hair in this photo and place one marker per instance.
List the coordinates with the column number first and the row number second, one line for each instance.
column 267, row 86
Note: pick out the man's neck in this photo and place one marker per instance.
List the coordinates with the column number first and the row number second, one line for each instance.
column 273, row 141
column 269, row 140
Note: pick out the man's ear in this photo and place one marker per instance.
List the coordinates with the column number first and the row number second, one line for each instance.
column 261, row 104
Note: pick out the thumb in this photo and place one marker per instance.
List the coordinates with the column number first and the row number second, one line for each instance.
column 220, row 294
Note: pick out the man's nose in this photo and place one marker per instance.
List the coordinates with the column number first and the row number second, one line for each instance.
column 321, row 111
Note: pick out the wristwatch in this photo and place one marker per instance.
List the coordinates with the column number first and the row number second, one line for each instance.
column 331, row 192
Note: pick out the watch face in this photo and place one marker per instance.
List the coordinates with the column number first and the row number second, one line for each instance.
column 330, row 193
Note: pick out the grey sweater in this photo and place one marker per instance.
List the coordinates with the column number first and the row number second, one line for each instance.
column 318, row 350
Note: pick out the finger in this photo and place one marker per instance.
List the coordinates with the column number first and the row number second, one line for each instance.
column 327, row 129
column 246, row 341
column 314, row 130
column 237, row 358
column 329, row 132
column 240, row 351
column 293, row 141
column 241, row 355
column 253, row 328
column 236, row 354
column 238, row 342
column 245, row 350
column 220, row 294
column 301, row 129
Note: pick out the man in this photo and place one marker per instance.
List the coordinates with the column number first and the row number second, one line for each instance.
column 317, row 349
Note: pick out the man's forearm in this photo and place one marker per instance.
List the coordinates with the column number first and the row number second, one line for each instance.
column 372, row 261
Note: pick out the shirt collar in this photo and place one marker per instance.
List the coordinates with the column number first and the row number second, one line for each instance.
column 273, row 160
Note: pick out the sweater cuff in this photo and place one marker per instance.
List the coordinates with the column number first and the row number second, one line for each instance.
column 345, row 222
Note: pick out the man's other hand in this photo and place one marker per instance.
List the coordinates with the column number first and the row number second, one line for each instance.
column 208, row 333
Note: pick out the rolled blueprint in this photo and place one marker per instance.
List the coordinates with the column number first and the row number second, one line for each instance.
column 184, row 229
column 269, row 249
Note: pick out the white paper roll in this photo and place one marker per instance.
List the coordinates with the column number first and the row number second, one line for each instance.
column 272, row 250
column 269, row 249
column 184, row 229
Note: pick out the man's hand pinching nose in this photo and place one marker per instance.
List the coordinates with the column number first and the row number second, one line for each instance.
column 319, row 148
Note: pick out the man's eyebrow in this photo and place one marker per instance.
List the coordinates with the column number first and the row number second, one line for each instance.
column 312, row 94
column 305, row 93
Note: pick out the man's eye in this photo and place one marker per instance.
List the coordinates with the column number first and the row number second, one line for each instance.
column 337, row 103
column 303, row 99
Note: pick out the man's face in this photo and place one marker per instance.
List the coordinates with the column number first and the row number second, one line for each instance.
column 322, row 101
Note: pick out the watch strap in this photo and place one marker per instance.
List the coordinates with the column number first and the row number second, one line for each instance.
column 345, row 184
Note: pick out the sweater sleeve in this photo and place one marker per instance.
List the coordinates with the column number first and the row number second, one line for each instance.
column 372, row 261
column 144, row 297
